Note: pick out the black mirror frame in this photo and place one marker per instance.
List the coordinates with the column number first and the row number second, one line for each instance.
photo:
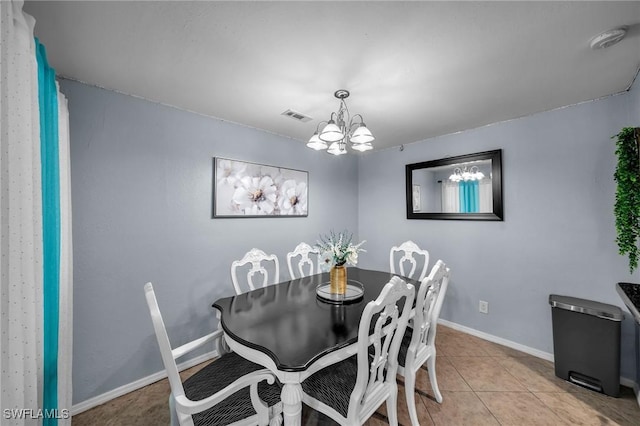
column 496, row 186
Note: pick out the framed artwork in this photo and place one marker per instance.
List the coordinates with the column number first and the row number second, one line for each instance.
column 243, row 189
column 416, row 198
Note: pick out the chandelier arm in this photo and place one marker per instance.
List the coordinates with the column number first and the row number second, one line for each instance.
column 319, row 124
column 358, row 115
column 352, row 127
column 353, row 123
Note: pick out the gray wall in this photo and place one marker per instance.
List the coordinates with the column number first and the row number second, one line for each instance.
column 558, row 235
column 141, row 186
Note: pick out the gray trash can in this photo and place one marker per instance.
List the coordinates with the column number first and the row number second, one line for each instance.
column 586, row 342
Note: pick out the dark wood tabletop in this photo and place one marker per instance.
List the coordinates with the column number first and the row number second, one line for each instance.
column 290, row 324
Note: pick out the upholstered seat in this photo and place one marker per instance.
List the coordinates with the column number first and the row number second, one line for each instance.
column 333, row 385
column 351, row 390
column 418, row 343
column 404, row 347
column 228, row 391
column 215, row 377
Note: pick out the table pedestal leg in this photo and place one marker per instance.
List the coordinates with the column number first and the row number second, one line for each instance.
column 292, row 404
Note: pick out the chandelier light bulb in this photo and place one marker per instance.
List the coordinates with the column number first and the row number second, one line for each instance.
column 337, row 148
column 362, row 135
column 475, row 173
column 362, row 147
column 316, row 143
column 466, row 174
column 331, row 132
column 456, row 176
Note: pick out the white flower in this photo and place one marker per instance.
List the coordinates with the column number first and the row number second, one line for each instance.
column 292, row 199
column 326, row 261
column 255, row 195
column 230, row 172
column 352, row 258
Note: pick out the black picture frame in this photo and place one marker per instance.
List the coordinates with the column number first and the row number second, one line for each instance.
column 497, row 213
column 235, row 182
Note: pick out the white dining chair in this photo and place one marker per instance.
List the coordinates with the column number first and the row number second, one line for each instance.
column 350, row 391
column 419, row 341
column 305, row 265
column 259, row 261
column 229, row 390
column 410, row 253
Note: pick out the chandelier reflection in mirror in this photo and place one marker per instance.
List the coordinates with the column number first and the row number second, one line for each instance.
column 340, row 128
column 466, row 174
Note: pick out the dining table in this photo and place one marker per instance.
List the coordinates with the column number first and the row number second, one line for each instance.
column 292, row 331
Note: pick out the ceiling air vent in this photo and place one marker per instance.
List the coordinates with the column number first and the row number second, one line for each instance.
column 296, row 115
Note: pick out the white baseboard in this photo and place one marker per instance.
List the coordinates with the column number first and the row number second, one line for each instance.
column 624, row 381
column 122, row 390
column 140, row 383
column 499, row 340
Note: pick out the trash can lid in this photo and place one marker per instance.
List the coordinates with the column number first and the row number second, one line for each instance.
column 589, row 307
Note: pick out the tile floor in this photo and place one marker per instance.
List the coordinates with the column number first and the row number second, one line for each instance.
column 482, row 383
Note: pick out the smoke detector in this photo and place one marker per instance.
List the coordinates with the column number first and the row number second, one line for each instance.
column 608, row 38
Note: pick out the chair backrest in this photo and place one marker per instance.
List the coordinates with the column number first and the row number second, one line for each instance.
column 258, row 259
column 382, row 326
column 163, row 341
column 305, row 266
column 410, row 253
column 428, row 305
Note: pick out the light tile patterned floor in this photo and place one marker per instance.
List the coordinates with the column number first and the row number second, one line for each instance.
column 482, row 383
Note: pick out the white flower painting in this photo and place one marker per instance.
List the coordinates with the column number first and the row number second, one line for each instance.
column 243, row 189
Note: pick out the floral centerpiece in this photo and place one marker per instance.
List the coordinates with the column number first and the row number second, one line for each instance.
column 336, row 251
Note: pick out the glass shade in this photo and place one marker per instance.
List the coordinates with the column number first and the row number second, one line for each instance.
column 337, row 148
column 316, row 143
column 456, row 176
column 331, row 132
column 362, row 147
column 476, row 174
column 362, row 135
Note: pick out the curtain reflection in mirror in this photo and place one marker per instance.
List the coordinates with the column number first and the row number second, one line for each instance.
column 467, row 196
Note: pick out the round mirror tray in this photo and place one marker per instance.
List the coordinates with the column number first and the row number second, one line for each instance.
column 354, row 292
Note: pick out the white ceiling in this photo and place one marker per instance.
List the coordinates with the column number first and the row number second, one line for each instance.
column 415, row 69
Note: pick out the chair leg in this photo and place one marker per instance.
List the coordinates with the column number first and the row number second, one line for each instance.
column 409, row 390
column 276, row 420
column 173, row 412
column 431, row 365
column 392, row 407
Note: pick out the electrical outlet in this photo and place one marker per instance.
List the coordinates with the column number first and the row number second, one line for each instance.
column 483, row 307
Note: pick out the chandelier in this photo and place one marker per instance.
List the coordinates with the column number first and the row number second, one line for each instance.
column 466, row 174
column 340, row 128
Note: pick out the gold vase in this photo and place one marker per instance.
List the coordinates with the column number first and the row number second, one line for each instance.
column 338, row 277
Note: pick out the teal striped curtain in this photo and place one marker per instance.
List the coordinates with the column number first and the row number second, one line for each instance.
column 469, row 197
column 50, row 173
column 35, row 223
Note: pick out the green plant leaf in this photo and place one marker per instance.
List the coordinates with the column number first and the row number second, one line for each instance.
column 627, row 203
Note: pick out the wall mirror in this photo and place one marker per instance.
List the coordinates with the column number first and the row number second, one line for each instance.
column 466, row 187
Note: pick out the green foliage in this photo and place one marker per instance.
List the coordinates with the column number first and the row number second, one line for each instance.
column 627, row 205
